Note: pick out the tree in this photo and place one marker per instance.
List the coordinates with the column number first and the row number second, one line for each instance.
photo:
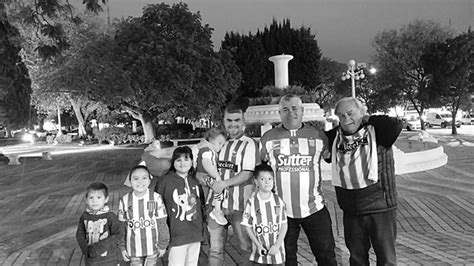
column 398, row 57
column 278, row 38
column 161, row 64
column 451, row 66
column 329, row 90
column 15, row 84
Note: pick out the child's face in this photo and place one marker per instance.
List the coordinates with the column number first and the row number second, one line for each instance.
column 96, row 200
column 140, row 180
column 264, row 181
column 218, row 142
column 183, row 164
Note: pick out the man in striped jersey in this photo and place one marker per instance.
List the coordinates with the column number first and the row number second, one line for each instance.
column 237, row 161
column 294, row 151
column 363, row 174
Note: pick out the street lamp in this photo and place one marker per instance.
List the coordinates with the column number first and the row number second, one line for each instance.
column 353, row 74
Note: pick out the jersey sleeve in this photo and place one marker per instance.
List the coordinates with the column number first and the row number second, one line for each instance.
column 247, row 219
column 250, row 156
column 160, row 206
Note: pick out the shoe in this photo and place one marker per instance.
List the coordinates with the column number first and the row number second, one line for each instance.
column 218, row 216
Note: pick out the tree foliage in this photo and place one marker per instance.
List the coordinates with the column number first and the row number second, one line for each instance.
column 15, row 84
column 398, row 57
column 251, row 53
column 160, row 65
column 451, row 66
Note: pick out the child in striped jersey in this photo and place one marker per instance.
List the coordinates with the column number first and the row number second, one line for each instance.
column 265, row 220
column 206, row 158
column 147, row 234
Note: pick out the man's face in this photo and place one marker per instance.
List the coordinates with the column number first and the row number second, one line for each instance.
column 291, row 113
column 350, row 117
column 234, row 124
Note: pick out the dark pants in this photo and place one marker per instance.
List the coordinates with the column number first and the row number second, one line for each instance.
column 378, row 230
column 318, row 229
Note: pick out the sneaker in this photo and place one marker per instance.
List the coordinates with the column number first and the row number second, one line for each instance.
column 218, row 216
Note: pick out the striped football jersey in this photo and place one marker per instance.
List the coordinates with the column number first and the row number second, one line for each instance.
column 295, row 156
column 237, row 155
column 265, row 217
column 141, row 214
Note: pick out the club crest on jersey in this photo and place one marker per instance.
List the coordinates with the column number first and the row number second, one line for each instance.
column 294, row 163
column 227, row 165
column 312, row 143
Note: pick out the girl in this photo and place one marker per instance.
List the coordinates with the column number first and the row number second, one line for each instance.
column 147, row 233
column 182, row 197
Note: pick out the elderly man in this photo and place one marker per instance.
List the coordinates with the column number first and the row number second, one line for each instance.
column 363, row 174
column 294, row 151
column 237, row 161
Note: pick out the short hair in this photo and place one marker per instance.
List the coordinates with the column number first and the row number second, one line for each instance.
column 139, row 167
column 288, row 97
column 359, row 105
column 233, row 109
column 213, row 133
column 264, row 167
column 97, row 186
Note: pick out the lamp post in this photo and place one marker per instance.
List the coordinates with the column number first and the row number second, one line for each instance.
column 353, row 74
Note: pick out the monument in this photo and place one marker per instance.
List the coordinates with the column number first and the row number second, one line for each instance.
column 267, row 114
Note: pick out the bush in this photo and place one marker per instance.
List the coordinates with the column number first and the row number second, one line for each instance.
column 118, row 135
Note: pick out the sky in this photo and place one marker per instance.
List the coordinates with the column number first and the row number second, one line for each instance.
column 344, row 29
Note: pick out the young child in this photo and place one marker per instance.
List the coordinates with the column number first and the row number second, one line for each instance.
column 265, row 220
column 99, row 232
column 206, row 168
column 182, row 197
column 143, row 211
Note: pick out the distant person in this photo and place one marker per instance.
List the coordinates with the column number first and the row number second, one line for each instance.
column 363, row 173
column 143, row 211
column 183, row 200
column 294, row 150
column 265, row 220
column 99, row 233
column 206, row 157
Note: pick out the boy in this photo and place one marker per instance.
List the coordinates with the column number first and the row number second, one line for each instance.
column 205, row 154
column 98, row 232
column 264, row 219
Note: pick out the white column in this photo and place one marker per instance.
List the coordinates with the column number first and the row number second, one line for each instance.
column 280, row 63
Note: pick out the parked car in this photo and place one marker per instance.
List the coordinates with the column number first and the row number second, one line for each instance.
column 467, row 119
column 442, row 120
column 411, row 123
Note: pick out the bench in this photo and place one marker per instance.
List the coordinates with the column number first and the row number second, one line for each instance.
column 14, row 155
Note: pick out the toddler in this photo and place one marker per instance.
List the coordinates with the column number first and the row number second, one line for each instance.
column 206, row 158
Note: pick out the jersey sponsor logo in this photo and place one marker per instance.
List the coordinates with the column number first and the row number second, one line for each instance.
column 140, row 224
column 348, row 147
column 269, row 228
column 227, row 165
column 294, row 163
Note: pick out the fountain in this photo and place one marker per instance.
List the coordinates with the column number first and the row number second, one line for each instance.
column 267, row 114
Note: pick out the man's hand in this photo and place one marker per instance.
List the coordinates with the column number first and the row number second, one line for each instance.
column 161, row 252
column 218, row 186
column 326, row 154
column 125, row 256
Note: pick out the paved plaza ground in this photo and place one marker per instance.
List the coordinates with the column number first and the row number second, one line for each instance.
column 41, row 201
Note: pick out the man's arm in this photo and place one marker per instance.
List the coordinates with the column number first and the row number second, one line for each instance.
column 238, row 179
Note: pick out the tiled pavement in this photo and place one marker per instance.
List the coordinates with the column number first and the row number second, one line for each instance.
column 41, row 201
